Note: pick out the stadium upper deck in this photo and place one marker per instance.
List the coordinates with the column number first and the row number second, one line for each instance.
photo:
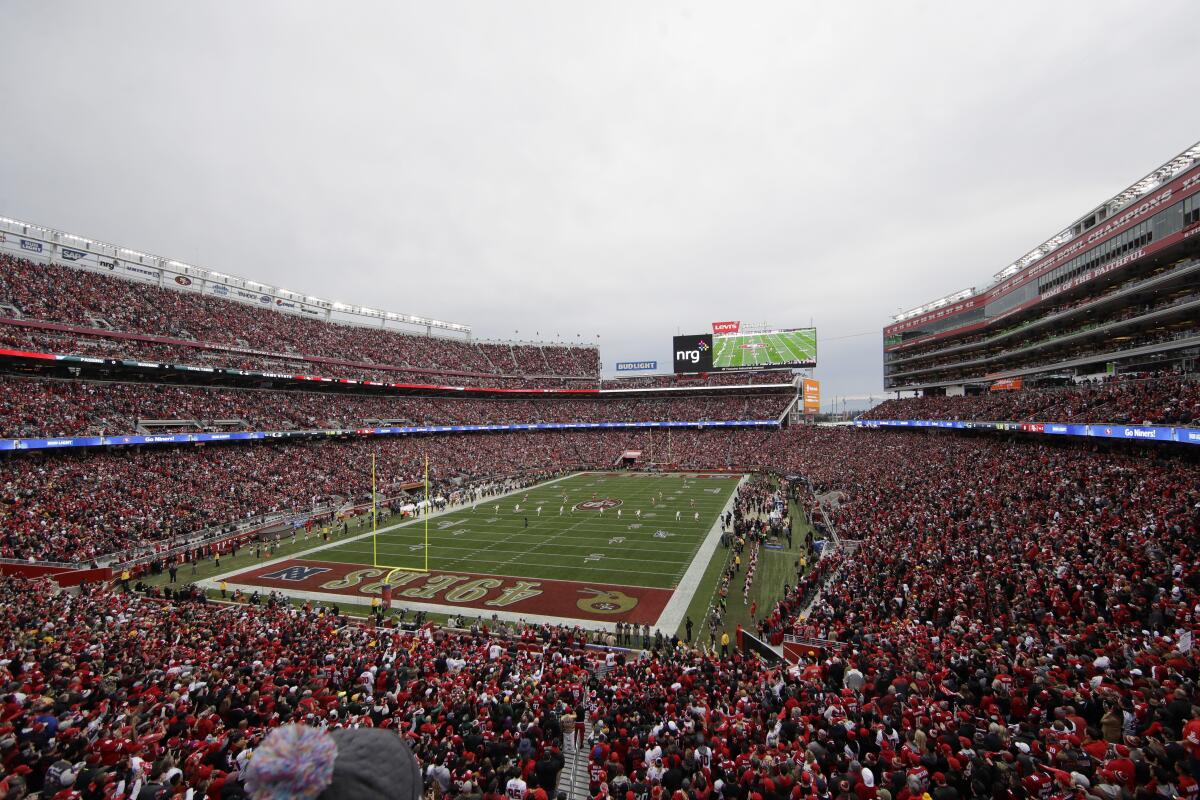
column 111, row 300
column 1115, row 290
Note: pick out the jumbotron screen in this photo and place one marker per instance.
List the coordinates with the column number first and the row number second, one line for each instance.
column 796, row 347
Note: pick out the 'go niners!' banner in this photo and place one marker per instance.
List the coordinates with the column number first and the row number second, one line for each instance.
column 726, row 327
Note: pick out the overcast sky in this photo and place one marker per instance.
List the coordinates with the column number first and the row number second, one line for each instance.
column 626, row 169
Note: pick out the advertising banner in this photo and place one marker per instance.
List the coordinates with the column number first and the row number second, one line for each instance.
column 199, row 438
column 724, row 328
column 1143, row 433
column 693, row 353
column 812, row 396
column 635, row 366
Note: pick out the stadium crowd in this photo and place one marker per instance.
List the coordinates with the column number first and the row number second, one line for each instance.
column 42, row 408
column 96, row 344
column 109, row 694
column 1049, row 313
column 1131, row 399
column 1014, row 622
column 1008, row 631
column 80, row 506
column 1096, row 348
column 66, row 295
column 1015, row 615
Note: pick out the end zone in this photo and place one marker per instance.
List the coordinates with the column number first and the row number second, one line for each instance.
column 457, row 592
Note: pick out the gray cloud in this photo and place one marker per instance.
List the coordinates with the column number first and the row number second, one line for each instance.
column 624, row 169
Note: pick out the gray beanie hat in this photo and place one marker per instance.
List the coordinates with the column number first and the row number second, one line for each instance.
column 304, row 763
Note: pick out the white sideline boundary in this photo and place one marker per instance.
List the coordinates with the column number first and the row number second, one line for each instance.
column 676, row 608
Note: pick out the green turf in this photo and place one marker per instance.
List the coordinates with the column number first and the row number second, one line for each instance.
column 584, row 546
column 765, row 349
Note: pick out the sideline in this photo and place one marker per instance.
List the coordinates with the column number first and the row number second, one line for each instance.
column 676, row 609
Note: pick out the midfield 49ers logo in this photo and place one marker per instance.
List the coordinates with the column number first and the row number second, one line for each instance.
column 598, row 504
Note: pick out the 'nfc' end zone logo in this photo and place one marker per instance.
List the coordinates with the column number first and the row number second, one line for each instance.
column 598, row 505
column 295, row 574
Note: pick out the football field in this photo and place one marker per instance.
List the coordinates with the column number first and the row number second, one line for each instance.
column 766, row 349
column 576, row 548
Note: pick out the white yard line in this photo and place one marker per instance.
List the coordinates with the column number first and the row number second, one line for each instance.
column 796, row 354
column 780, row 347
column 537, row 545
column 455, row 544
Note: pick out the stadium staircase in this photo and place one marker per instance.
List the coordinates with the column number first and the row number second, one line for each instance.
column 573, row 779
column 486, row 358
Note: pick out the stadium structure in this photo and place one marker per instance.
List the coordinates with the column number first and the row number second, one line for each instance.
column 1113, row 292
column 236, row 519
column 123, row 351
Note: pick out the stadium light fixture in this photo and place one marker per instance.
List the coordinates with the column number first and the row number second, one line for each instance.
column 1138, row 189
column 933, row 305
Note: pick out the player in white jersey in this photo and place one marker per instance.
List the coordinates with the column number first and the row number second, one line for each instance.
column 560, row 510
column 677, row 513
column 638, row 513
column 539, row 511
column 696, row 516
column 618, row 513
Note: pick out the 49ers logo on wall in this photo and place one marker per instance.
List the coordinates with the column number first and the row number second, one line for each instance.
column 598, row 504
